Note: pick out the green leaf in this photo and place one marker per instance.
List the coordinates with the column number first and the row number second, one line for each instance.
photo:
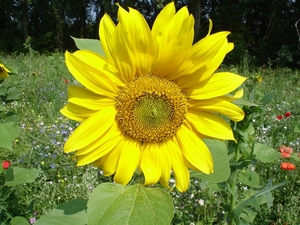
column 249, row 177
column 8, row 131
column 124, row 205
column 71, row 212
column 89, row 44
column 265, row 153
column 19, row 221
column 243, row 102
column 3, row 90
column 2, row 108
column 267, row 98
column 221, row 172
column 297, row 130
column 13, row 94
column 254, row 201
column 16, row 176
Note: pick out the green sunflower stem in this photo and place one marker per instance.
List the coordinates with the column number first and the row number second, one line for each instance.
column 232, row 183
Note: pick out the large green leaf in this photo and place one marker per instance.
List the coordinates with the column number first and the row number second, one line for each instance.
column 124, row 205
column 8, row 132
column 89, row 44
column 71, row 212
column 19, row 221
column 265, row 153
column 16, row 176
column 221, row 172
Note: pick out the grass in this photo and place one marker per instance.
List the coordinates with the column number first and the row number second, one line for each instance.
column 43, row 81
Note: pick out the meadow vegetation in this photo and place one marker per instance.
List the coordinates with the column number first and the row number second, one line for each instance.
column 43, row 80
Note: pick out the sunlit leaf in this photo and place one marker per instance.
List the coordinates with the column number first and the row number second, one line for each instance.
column 71, row 212
column 8, row 132
column 16, row 176
column 265, row 153
column 89, row 44
column 125, row 205
column 221, row 172
column 19, row 221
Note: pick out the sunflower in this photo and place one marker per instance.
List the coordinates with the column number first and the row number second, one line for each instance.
column 3, row 72
column 149, row 103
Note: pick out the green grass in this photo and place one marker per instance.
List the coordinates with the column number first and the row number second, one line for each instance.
column 43, row 81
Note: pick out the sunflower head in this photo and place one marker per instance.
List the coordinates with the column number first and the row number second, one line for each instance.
column 150, row 101
column 3, row 72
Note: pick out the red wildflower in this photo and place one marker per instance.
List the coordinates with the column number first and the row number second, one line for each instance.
column 287, row 114
column 285, row 151
column 287, row 166
column 279, row 117
column 5, row 164
column 66, row 81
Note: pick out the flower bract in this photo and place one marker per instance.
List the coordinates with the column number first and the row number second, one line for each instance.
column 147, row 105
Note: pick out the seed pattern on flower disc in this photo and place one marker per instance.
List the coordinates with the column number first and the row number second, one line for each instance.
column 150, row 109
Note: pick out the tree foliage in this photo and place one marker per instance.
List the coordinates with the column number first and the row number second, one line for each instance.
column 263, row 29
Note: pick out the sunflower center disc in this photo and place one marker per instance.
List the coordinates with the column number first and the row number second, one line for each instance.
column 150, row 109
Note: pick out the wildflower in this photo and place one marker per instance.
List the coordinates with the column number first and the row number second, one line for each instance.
column 5, row 164
column 285, row 151
column 149, row 103
column 201, row 202
column 287, row 166
column 3, row 72
column 32, row 220
column 279, row 117
column 258, row 78
column 287, row 114
column 66, row 81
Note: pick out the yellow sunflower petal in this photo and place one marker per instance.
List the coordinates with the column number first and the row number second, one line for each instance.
column 152, row 161
column 105, row 147
column 123, row 54
column 202, row 54
column 104, row 69
column 113, row 135
column 209, row 27
column 90, row 129
column 90, row 77
column 88, row 99
column 110, row 162
column 218, row 85
column 181, row 172
column 218, row 105
column 134, row 23
column 210, row 125
column 173, row 35
column 76, row 112
column 106, row 31
column 128, row 161
column 194, row 150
